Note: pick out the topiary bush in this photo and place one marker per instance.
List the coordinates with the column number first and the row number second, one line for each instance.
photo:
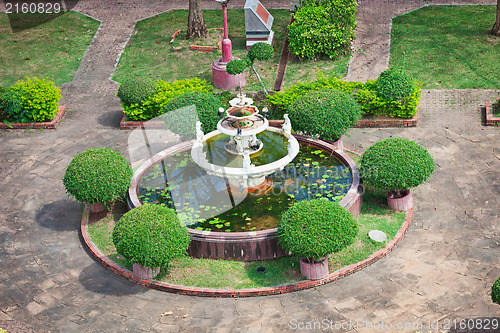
column 184, row 123
column 154, row 105
column 323, row 28
column 324, row 113
column 38, row 98
column 394, row 84
column 150, row 235
column 313, row 229
column 260, row 51
column 495, row 291
column 98, row 175
column 136, row 90
column 396, row 164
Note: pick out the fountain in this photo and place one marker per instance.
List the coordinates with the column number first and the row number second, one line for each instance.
column 238, row 131
column 230, row 186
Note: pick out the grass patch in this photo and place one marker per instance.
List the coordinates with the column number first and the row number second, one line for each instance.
column 149, row 53
column 230, row 274
column 448, row 47
column 51, row 50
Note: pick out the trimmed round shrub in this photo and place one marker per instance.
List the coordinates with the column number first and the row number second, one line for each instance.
column 495, row 291
column 313, row 229
column 394, row 84
column 238, row 66
column 260, row 51
column 396, row 164
column 324, row 113
column 183, row 123
column 136, row 90
column 12, row 110
column 39, row 98
column 150, row 235
column 98, row 175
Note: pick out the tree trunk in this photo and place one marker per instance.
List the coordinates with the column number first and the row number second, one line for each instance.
column 496, row 28
column 196, row 24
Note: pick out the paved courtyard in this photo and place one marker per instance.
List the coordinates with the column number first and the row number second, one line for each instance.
column 442, row 270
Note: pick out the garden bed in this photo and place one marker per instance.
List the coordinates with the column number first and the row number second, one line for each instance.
column 385, row 121
column 492, row 119
column 45, row 125
column 227, row 278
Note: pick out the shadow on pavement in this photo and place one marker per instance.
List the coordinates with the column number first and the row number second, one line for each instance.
column 98, row 279
column 62, row 215
column 111, row 118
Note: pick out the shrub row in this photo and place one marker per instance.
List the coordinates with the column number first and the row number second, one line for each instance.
column 322, row 27
column 393, row 94
column 33, row 100
column 144, row 99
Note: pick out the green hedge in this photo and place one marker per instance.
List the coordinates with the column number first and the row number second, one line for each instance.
column 184, row 123
column 323, row 28
column 366, row 94
column 326, row 113
column 396, row 164
column 98, row 175
column 150, row 235
column 495, row 292
column 33, row 100
column 154, row 104
column 313, row 229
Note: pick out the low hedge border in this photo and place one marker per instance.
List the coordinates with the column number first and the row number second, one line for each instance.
column 490, row 120
column 227, row 293
column 45, row 125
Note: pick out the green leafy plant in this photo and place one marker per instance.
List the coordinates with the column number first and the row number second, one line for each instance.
column 40, row 98
column 313, row 229
column 323, row 28
column 136, row 90
column 394, row 84
column 2, row 330
column 150, row 235
column 11, row 109
column 324, row 113
column 184, row 123
column 258, row 51
column 98, row 175
column 154, row 105
column 396, row 165
column 495, row 291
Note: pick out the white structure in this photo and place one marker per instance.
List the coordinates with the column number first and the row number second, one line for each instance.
column 258, row 23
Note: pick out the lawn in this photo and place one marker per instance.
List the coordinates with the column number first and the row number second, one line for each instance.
column 237, row 274
column 448, row 47
column 51, row 50
column 149, row 52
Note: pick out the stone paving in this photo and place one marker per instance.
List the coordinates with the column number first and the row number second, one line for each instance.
column 442, row 270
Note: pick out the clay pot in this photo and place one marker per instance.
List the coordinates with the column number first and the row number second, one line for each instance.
column 144, row 272
column 314, row 271
column 402, row 204
column 97, row 207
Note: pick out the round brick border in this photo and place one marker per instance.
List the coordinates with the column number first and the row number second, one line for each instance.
column 264, row 291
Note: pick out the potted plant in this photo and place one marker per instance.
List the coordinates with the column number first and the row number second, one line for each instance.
column 313, row 229
column 326, row 114
column 97, row 177
column 150, row 236
column 397, row 165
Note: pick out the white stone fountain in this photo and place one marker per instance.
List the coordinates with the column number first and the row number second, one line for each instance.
column 242, row 123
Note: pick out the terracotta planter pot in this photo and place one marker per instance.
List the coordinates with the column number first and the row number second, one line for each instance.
column 97, row 208
column 336, row 143
column 314, row 271
column 401, row 204
column 144, row 272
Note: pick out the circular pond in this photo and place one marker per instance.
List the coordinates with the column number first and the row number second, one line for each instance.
column 230, row 223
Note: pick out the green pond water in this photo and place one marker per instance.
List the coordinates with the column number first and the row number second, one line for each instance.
column 275, row 148
column 205, row 202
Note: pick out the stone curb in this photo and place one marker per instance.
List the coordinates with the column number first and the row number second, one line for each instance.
column 45, row 125
column 490, row 120
column 264, row 291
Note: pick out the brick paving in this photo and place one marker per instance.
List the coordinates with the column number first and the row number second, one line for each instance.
column 443, row 269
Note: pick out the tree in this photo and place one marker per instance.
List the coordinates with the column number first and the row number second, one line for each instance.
column 496, row 27
column 196, row 24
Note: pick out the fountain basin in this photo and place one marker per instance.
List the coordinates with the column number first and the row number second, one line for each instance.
column 251, row 245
